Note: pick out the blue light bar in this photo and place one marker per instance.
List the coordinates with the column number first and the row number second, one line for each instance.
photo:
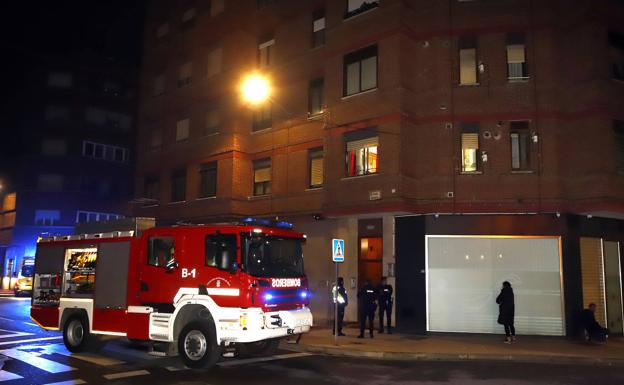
column 267, row 222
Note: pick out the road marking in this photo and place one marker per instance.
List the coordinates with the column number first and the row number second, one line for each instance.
column 31, row 340
column 88, row 357
column 134, row 373
column 8, row 376
column 175, row 368
column 13, row 333
column 70, row 382
column 263, row 359
column 34, row 360
column 30, row 323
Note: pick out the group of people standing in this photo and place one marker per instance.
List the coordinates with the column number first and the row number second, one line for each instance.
column 369, row 299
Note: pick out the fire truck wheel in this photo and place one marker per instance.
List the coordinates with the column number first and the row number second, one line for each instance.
column 75, row 334
column 197, row 345
column 258, row 349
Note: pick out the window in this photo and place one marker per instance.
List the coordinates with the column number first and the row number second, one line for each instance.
column 618, row 131
column 315, row 157
column 265, row 52
column 355, row 7
column 315, row 97
column 155, row 140
column 185, row 74
column 188, row 16
column 216, row 7
column 103, row 151
column 208, row 180
column 616, row 55
column 161, row 251
column 47, row 217
column 516, row 58
column 360, row 71
column 50, row 182
column 178, row 186
column 151, row 188
column 213, row 121
column 262, row 177
column 520, row 145
column 218, row 245
column 162, row 30
column 54, row 147
column 182, row 130
column 90, row 216
column 158, row 87
column 262, row 117
column 60, row 79
column 470, row 147
column 468, row 61
column 56, row 113
column 362, row 152
column 318, row 28
column 214, row 62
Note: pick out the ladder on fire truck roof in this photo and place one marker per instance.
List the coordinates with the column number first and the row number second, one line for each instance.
column 79, row 237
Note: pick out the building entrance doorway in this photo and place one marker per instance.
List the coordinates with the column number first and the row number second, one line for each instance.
column 370, row 261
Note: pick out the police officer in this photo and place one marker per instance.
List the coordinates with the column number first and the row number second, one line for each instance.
column 385, row 292
column 339, row 295
column 367, row 307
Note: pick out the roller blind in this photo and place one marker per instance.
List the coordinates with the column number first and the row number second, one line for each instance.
column 318, row 24
column 316, row 172
column 367, row 142
column 468, row 66
column 470, row 141
column 182, row 129
column 592, row 274
column 262, row 175
column 515, row 53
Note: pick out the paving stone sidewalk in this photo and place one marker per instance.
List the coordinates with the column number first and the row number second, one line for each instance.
column 459, row 347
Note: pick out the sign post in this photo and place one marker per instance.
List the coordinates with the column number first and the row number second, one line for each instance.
column 337, row 257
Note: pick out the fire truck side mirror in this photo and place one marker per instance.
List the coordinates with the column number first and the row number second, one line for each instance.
column 171, row 266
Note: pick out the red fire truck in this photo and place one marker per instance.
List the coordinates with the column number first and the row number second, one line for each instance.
column 198, row 290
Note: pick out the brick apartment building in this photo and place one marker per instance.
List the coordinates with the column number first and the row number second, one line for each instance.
column 452, row 144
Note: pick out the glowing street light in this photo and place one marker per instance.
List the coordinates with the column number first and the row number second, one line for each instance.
column 255, row 89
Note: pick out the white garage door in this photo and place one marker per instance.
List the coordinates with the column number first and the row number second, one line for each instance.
column 465, row 274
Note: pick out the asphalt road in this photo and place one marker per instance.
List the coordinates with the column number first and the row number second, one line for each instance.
column 34, row 356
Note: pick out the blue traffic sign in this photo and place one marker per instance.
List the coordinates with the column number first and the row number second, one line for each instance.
column 338, row 250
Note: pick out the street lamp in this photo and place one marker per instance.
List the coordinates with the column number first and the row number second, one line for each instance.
column 255, row 89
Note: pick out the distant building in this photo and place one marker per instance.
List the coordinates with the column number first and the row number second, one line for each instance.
column 452, row 144
column 77, row 131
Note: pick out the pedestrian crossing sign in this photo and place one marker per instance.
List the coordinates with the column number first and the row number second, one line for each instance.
column 338, row 250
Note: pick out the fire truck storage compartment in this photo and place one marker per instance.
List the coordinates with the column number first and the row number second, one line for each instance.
column 79, row 271
column 111, row 285
column 47, row 284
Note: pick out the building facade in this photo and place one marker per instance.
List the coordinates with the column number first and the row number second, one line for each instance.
column 77, row 136
column 427, row 134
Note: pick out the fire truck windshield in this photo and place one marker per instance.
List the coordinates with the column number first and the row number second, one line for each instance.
column 267, row 256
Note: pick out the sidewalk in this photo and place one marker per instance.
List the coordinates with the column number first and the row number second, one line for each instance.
column 461, row 347
column 6, row 293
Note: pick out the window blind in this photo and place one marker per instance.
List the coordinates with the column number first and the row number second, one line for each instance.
column 468, row 66
column 515, row 53
column 470, row 141
column 362, row 143
column 318, row 24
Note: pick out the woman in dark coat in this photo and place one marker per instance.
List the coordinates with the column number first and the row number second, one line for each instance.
column 506, row 309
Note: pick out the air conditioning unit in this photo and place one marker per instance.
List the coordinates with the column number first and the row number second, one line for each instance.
column 450, row 194
column 374, row 195
column 448, row 125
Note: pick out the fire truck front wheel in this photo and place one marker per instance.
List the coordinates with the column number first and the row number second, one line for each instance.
column 197, row 345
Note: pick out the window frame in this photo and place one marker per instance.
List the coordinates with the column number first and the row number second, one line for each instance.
column 514, row 40
column 206, row 168
column 318, row 34
column 361, row 136
column 313, row 154
column 177, row 176
column 262, row 188
column 267, row 43
column 471, row 128
column 522, row 129
column 233, row 246
column 154, row 262
column 260, row 120
column 468, row 43
column 318, row 85
column 358, row 57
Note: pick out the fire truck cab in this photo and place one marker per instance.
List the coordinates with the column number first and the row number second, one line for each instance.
column 199, row 290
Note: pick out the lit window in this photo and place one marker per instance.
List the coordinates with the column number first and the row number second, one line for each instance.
column 47, row 217
column 318, row 28
column 315, row 97
column 185, row 74
column 262, row 177
column 315, row 157
column 470, row 147
column 265, row 52
column 468, row 61
column 360, row 71
column 516, row 58
column 362, row 153
column 182, row 130
column 520, row 145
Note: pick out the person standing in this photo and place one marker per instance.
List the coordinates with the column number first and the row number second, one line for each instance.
column 339, row 295
column 367, row 307
column 385, row 292
column 595, row 331
column 506, row 310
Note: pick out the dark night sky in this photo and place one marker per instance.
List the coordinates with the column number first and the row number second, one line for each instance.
column 33, row 31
